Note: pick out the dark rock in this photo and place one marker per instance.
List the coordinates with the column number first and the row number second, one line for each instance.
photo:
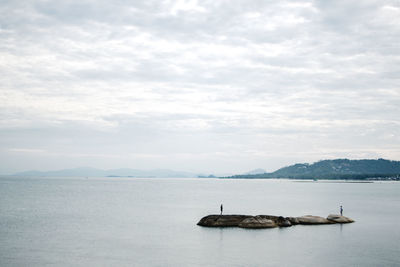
column 283, row 222
column 222, row 220
column 293, row 220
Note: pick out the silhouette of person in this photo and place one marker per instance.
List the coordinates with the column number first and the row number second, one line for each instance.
column 341, row 211
column 222, row 208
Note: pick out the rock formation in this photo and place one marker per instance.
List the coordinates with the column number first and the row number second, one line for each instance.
column 268, row 221
column 257, row 222
column 310, row 219
column 339, row 219
column 222, row 220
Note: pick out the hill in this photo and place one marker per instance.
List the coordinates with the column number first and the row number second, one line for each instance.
column 335, row 169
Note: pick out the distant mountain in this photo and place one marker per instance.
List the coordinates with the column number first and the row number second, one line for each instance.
column 92, row 172
column 335, row 169
column 256, row 171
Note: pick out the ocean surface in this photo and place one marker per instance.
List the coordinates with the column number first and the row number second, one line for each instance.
column 152, row 222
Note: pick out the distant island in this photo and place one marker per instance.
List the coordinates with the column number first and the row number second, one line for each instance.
column 207, row 176
column 340, row 169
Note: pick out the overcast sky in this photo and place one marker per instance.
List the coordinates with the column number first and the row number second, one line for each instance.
column 210, row 86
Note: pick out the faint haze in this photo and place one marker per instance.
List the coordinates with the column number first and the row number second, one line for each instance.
column 201, row 86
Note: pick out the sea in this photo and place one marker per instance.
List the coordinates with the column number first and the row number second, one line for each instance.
column 88, row 221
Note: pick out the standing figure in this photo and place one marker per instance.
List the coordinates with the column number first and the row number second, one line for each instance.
column 222, row 208
column 341, row 211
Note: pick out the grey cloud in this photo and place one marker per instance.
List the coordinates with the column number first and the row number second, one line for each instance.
column 223, row 79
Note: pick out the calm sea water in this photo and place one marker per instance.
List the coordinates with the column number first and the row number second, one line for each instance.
column 152, row 222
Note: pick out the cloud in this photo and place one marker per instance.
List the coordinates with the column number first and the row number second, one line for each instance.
column 237, row 82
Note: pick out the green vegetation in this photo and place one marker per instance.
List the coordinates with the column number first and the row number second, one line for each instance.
column 335, row 169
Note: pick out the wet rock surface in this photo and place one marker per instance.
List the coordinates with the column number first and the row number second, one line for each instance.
column 257, row 222
column 339, row 219
column 268, row 221
column 310, row 219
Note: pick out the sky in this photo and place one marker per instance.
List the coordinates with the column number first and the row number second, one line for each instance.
column 206, row 86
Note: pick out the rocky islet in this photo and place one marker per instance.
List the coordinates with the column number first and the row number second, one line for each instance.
column 269, row 221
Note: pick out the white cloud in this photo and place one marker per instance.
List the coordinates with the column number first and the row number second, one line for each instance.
column 185, row 6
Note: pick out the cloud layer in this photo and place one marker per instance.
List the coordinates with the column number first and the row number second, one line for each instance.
column 221, row 86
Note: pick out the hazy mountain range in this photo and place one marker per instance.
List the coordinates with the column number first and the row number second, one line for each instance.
column 93, row 172
column 324, row 169
column 123, row 172
column 256, row 171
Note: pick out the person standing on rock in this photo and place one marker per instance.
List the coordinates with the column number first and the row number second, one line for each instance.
column 222, row 208
column 341, row 211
